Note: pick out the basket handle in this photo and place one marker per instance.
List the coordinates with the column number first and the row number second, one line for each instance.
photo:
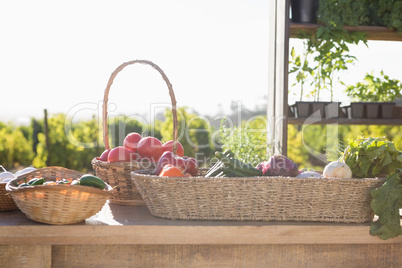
column 106, row 97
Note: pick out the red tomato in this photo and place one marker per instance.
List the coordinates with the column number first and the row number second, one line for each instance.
column 150, row 147
column 168, row 146
column 121, row 154
column 104, row 155
column 131, row 141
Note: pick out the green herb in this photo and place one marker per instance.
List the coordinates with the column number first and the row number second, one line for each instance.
column 375, row 89
column 387, row 200
column 248, row 141
column 372, row 157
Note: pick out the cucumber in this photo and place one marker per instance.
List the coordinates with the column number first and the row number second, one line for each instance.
column 235, row 164
column 92, row 181
column 36, row 181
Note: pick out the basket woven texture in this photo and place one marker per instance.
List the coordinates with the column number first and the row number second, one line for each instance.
column 118, row 174
column 258, row 198
column 6, row 201
column 57, row 204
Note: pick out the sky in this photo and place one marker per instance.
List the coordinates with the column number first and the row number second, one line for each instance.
column 58, row 55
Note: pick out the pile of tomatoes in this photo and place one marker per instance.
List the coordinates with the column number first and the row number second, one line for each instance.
column 135, row 147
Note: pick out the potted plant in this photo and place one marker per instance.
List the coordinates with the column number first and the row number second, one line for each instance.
column 299, row 65
column 328, row 47
column 377, row 94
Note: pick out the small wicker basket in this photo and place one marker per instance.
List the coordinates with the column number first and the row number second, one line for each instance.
column 118, row 174
column 6, row 201
column 57, row 204
column 258, row 198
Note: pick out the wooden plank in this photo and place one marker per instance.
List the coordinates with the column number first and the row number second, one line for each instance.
column 373, row 32
column 135, row 225
column 227, row 256
column 25, row 256
column 344, row 121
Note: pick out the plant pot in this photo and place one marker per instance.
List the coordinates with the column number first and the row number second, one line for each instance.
column 303, row 109
column 387, row 110
column 318, row 109
column 292, row 110
column 304, row 11
column 346, row 110
column 357, row 110
column 372, row 109
column 332, row 110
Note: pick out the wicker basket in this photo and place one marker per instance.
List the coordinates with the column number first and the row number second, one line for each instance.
column 57, row 204
column 258, row 198
column 118, row 174
column 6, row 201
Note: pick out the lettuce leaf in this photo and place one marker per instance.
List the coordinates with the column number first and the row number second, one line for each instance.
column 387, row 200
column 371, row 157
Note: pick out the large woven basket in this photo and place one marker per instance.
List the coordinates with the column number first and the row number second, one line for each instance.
column 57, row 204
column 118, row 174
column 6, row 201
column 258, row 198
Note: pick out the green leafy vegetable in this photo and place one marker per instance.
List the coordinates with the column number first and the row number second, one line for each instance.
column 387, row 200
column 372, row 157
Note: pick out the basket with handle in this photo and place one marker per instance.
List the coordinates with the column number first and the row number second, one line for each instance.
column 57, row 204
column 117, row 174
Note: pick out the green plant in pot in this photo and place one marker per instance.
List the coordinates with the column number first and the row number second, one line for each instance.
column 299, row 65
column 376, row 93
column 328, row 48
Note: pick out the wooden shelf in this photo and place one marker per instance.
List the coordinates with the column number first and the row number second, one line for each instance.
column 373, row 32
column 343, row 121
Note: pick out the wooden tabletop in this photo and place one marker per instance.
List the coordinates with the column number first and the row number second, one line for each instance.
column 117, row 224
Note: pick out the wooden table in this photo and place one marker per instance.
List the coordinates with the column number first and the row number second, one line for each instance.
column 122, row 236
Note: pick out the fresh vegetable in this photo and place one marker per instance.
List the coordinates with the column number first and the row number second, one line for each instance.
column 150, row 148
column 36, row 181
column 93, row 181
column 337, row 169
column 104, row 155
column 228, row 166
column 23, row 185
column 309, row 174
column 372, row 157
column 278, row 165
column 121, row 154
column 170, row 170
column 131, row 141
column 168, row 146
column 187, row 164
column 387, row 200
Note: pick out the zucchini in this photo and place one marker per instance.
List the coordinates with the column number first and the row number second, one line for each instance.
column 36, row 181
column 92, row 181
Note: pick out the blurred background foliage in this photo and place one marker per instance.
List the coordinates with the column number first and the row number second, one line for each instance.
column 74, row 144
